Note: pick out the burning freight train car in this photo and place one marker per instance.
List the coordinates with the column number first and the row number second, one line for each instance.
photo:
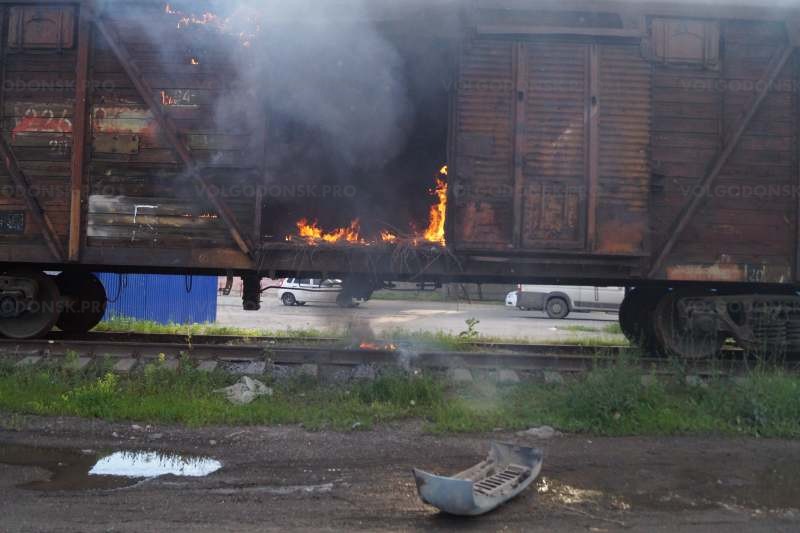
column 587, row 143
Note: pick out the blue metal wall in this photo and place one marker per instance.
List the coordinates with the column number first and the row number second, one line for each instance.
column 162, row 299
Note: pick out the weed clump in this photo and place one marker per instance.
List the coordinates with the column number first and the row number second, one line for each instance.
column 612, row 398
column 762, row 403
column 401, row 391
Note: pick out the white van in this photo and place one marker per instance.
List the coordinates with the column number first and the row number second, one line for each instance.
column 559, row 301
column 302, row 291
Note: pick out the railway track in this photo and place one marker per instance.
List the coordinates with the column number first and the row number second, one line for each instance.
column 257, row 355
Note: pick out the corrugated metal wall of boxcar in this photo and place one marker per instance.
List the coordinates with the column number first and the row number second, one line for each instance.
column 38, row 91
column 554, row 167
column 162, row 299
column 624, row 150
column 484, row 184
column 140, row 196
column 746, row 229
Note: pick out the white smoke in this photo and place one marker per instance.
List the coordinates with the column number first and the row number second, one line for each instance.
column 334, row 74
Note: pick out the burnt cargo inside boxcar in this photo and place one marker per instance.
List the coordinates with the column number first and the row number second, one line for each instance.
column 645, row 144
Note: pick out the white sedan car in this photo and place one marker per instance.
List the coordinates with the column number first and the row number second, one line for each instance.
column 511, row 299
column 302, row 291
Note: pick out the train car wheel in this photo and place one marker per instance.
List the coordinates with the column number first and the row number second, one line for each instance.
column 684, row 330
column 31, row 318
column 85, row 301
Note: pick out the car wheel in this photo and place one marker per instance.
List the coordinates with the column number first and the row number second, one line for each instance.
column 288, row 299
column 557, row 308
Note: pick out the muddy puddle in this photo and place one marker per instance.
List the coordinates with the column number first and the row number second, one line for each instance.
column 76, row 470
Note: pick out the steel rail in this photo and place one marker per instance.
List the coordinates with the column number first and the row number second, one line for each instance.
column 172, row 338
column 562, row 358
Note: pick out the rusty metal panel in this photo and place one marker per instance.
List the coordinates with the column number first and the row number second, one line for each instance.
column 554, row 166
column 483, row 181
column 624, row 156
column 116, row 144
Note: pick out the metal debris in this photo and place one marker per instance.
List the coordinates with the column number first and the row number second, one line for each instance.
column 245, row 391
column 507, row 472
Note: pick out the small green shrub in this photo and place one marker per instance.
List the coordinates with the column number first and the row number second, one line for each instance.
column 94, row 400
column 471, row 333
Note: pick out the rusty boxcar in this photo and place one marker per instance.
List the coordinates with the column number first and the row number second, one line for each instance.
column 650, row 144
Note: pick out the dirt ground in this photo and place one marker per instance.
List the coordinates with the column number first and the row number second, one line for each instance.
column 286, row 478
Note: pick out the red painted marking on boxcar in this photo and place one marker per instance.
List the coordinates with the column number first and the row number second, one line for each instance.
column 31, row 123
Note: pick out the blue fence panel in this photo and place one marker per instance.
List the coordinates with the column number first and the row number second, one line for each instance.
column 162, row 299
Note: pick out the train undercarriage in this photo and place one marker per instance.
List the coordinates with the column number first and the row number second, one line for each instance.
column 690, row 323
column 696, row 323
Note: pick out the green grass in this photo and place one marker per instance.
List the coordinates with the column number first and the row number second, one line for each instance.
column 157, row 395
column 607, row 401
column 129, row 325
column 614, row 402
column 579, row 329
column 438, row 340
column 610, row 329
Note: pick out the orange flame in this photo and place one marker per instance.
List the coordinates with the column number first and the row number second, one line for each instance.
column 388, row 236
column 195, row 61
column 374, row 346
column 224, row 25
column 438, row 213
column 435, row 232
column 312, row 233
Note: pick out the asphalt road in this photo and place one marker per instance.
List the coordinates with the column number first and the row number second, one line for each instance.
column 495, row 320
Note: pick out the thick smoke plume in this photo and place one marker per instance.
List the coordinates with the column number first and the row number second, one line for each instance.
column 332, row 75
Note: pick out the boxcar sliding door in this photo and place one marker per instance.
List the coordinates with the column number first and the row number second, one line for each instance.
column 551, row 146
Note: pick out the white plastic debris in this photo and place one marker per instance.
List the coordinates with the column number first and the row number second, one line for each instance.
column 245, row 391
column 544, row 432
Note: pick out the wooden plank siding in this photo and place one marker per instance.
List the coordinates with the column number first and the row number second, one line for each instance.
column 749, row 215
column 150, row 172
column 583, row 158
column 37, row 117
column 36, row 122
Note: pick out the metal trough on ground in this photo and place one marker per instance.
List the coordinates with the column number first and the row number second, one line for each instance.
column 507, row 472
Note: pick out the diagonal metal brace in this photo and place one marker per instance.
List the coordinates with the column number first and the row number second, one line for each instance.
column 764, row 85
column 31, row 202
column 170, row 130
